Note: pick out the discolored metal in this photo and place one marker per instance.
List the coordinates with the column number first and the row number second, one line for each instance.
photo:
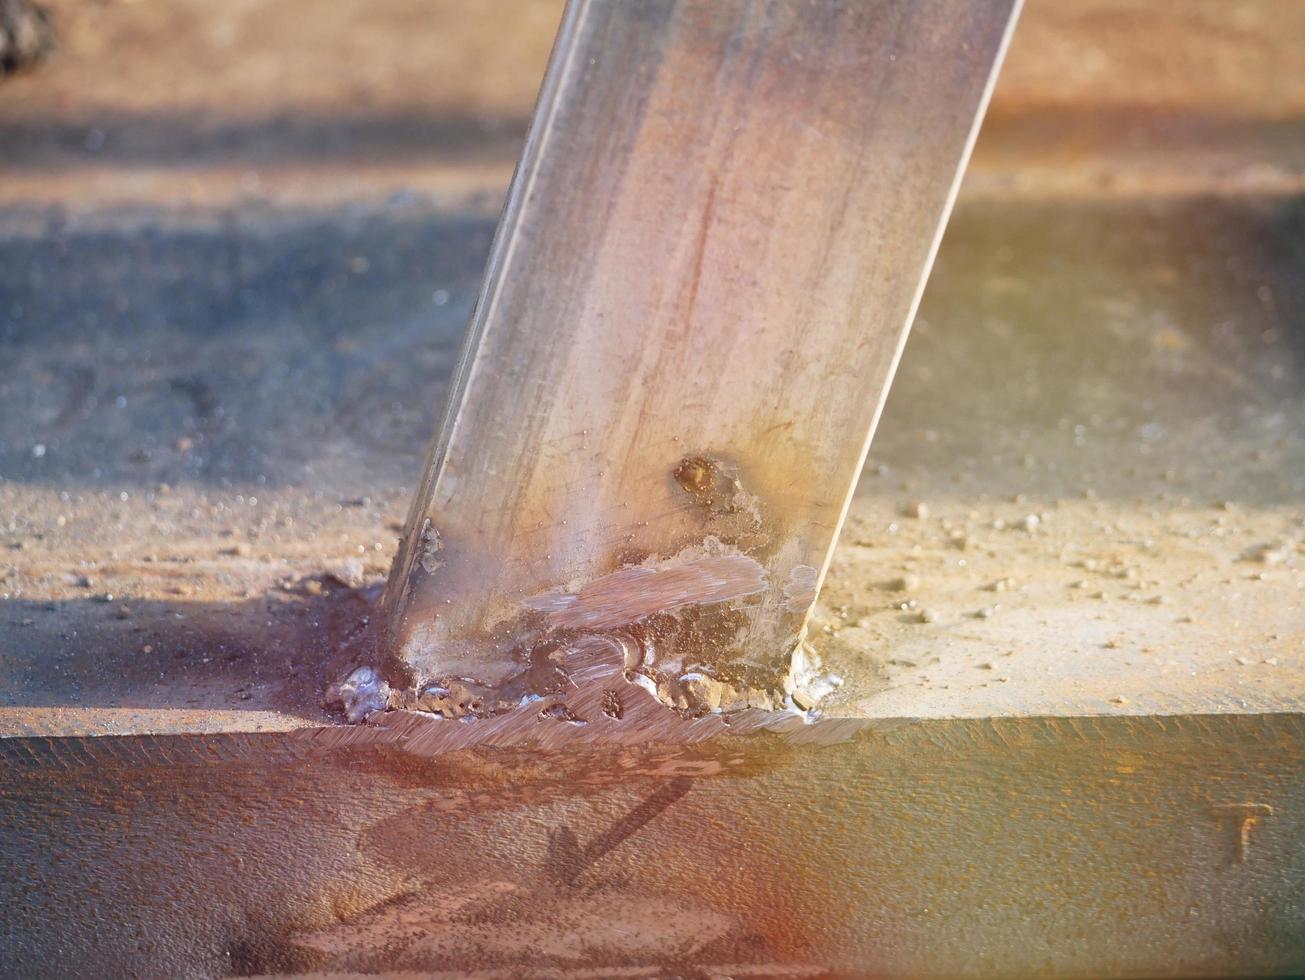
column 705, row 271
column 1019, row 847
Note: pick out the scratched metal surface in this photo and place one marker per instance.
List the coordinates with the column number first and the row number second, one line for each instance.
column 1034, row 847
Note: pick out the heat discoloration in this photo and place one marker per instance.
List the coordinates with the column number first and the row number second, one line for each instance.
column 631, row 594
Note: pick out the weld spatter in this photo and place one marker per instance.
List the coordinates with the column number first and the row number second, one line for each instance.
column 360, row 694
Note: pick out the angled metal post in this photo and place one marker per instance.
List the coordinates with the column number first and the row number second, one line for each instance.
column 710, row 257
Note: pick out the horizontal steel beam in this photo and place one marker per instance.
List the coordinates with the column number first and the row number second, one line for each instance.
column 1050, row 847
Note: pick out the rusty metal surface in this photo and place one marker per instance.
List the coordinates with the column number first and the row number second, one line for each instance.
column 1034, row 847
column 995, row 846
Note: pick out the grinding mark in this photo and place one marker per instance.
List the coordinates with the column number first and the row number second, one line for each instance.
column 401, row 920
column 634, row 593
column 800, row 589
column 420, row 736
column 590, row 658
column 428, row 923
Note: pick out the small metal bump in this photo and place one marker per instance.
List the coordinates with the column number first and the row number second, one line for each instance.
column 695, row 474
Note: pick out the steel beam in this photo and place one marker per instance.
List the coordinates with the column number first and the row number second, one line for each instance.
column 995, row 847
column 701, row 285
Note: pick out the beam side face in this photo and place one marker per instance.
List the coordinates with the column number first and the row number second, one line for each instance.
column 1050, row 847
column 704, row 277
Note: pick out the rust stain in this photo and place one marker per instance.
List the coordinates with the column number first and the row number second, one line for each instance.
column 634, row 593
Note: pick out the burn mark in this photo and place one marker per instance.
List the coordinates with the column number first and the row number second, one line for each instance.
column 634, row 593
column 730, row 513
column 715, row 485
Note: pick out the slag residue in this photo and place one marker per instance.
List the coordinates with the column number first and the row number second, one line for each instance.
column 674, row 625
